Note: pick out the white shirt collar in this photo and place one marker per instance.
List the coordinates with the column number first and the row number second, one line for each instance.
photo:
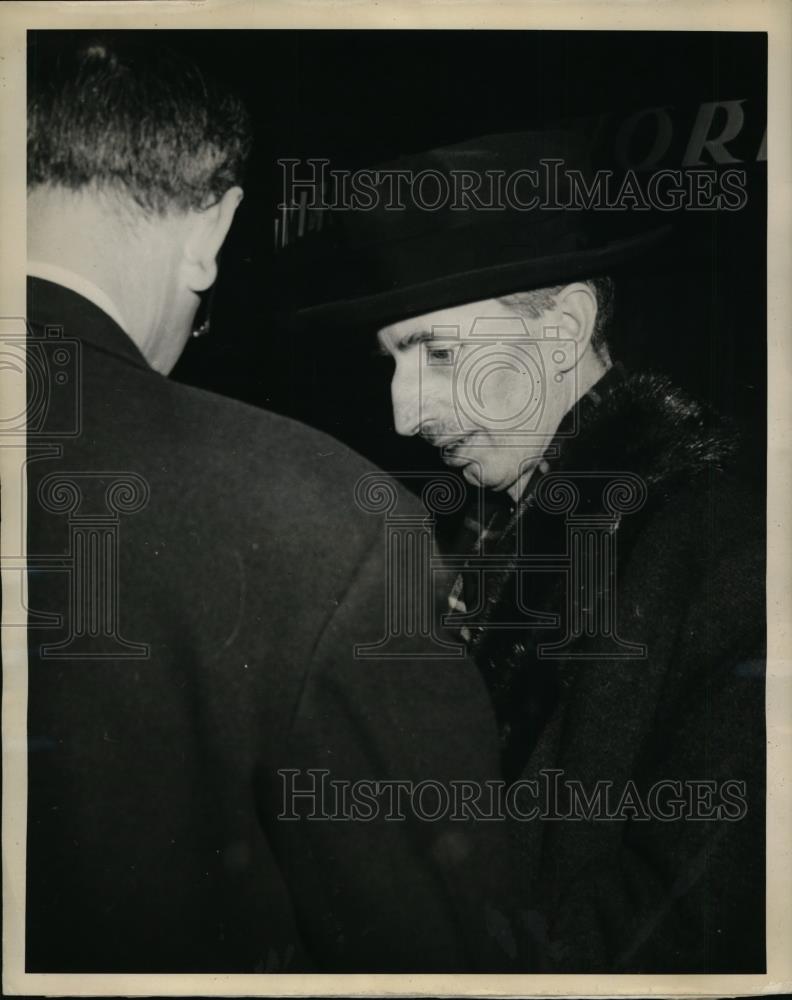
column 77, row 283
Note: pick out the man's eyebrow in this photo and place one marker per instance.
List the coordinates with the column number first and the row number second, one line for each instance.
column 407, row 340
column 416, row 337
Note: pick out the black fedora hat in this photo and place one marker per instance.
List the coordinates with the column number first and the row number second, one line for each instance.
column 487, row 217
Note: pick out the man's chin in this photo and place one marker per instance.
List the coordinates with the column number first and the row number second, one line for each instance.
column 471, row 474
column 474, row 472
column 476, row 476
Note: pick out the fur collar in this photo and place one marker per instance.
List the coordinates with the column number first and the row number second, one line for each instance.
column 645, row 425
column 640, row 424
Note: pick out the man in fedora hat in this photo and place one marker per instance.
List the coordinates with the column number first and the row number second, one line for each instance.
column 612, row 589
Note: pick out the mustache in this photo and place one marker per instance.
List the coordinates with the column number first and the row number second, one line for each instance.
column 442, row 436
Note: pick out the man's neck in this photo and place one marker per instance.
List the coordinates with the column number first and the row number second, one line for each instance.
column 587, row 376
column 94, row 244
column 78, row 283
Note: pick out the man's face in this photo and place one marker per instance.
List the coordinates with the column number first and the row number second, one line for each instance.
column 482, row 384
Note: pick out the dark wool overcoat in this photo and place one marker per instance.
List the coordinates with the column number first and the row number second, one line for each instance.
column 199, row 573
column 649, row 547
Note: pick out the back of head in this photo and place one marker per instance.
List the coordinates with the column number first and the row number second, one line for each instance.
column 135, row 158
column 131, row 116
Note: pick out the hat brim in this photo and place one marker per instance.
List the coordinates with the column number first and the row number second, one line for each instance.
column 405, row 301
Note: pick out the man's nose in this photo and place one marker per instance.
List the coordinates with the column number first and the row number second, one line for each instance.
column 405, row 396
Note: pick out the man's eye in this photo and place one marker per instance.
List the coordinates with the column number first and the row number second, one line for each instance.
column 440, row 355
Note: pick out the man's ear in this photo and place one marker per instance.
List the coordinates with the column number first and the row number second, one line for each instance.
column 576, row 306
column 206, row 232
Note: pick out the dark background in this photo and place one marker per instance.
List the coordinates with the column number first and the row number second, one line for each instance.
column 696, row 310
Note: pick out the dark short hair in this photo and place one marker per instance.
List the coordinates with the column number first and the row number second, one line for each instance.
column 532, row 304
column 135, row 117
